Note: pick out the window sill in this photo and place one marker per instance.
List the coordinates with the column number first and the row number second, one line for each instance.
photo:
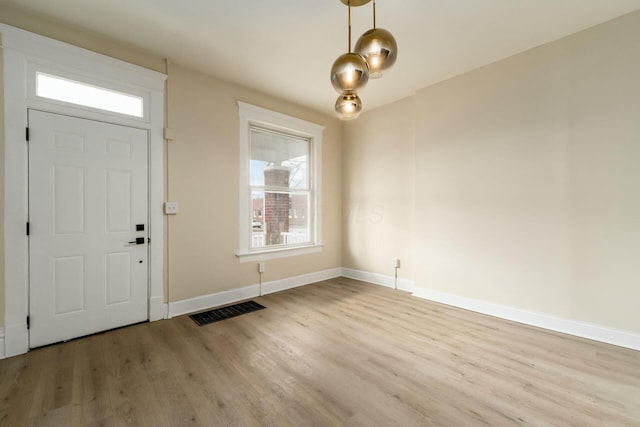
column 278, row 253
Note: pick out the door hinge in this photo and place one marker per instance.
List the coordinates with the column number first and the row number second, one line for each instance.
column 27, row 228
column 28, row 322
column 27, row 134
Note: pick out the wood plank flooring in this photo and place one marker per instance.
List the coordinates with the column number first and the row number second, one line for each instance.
column 335, row 353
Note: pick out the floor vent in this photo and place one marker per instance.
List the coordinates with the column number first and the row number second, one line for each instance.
column 227, row 312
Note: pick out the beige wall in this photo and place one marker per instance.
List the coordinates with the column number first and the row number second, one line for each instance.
column 377, row 190
column 491, row 184
column 203, row 177
column 202, row 167
column 2, row 301
column 526, row 179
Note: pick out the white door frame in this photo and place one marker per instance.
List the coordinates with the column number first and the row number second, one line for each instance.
column 24, row 53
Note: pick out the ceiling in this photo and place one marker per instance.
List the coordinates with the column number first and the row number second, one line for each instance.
column 286, row 47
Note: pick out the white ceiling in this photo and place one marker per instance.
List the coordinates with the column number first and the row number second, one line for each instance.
column 286, row 47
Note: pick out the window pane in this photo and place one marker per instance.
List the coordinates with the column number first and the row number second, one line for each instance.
column 278, row 160
column 298, row 219
column 279, row 218
column 89, row 96
column 279, row 155
column 258, row 236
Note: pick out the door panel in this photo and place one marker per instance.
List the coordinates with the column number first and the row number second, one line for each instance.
column 68, row 276
column 88, row 190
column 68, row 185
column 118, row 277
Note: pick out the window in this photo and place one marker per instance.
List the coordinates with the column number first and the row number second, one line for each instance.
column 74, row 92
column 279, row 184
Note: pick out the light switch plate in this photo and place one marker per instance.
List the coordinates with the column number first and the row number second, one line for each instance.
column 171, row 208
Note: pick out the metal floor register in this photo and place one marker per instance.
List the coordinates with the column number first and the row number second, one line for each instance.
column 227, row 312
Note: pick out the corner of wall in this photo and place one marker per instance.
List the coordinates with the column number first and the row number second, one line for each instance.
column 378, row 189
column 2, row 279
column 406, row 285
column 2, row 350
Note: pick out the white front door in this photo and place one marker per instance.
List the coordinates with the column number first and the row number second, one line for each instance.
column 88, row 203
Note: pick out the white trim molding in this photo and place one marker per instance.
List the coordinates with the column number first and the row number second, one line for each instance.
column 541, row 320
column 378, row 279
column 204, row 302
column 2, row 352
column 24, row 54
column 254, row 115
column 297, row 281
column 279, row 253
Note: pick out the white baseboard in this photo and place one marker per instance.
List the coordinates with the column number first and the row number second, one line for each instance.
column 157, row 309
column 2, row 352
column 16, row 339
column 305, row 279
column 541, row 320
column 378, row 279
column 204, row 302
column 185, row 306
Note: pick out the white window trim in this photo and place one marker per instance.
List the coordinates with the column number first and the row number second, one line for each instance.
column 24, row 52
column 251, row 114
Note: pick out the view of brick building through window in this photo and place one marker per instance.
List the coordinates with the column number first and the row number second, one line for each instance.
column 280, row 184
column 280, row 189
column 276, row 205
column 293, row 207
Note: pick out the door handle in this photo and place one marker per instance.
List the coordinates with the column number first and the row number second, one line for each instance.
column 138, row 241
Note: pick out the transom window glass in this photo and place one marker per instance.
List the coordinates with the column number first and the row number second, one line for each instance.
column 280, row 188
column 79, row 93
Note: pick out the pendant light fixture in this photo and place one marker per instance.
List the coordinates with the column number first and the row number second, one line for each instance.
column 348, row 106
column 378, row 47
column 349, row 73
column 375, row 50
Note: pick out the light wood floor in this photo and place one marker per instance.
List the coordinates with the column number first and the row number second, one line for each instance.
column 335, row 353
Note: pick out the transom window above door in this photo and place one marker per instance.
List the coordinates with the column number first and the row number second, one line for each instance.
column 86, row 95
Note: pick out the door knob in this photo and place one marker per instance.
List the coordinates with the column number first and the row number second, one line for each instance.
column 138, row 241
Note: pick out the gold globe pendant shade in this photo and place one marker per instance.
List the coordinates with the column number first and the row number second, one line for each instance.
column 348, row 106
column 379, row 48
column 349, row 72
column 375, row 51
column 354, row 3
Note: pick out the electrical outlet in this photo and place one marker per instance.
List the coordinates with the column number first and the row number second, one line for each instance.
column 262, row 267
column 395, row 263
column 171, row 208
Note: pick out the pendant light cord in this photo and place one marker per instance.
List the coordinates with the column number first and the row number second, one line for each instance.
column 349, row 15
column 374, row 14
